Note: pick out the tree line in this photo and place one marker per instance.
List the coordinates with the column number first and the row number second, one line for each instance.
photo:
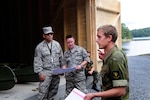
column 129, row 34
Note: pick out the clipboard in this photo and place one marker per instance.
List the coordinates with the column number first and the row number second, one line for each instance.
column 75, row 94
column 61, row 71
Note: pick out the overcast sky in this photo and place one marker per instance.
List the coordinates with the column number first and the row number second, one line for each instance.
column 135, row 13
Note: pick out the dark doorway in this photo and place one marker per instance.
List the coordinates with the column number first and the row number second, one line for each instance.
column 21, row 23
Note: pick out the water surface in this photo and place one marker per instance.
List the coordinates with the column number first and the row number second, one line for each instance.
column 135, row 48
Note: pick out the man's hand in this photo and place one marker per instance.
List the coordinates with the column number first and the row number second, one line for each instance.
column 79, row 67
column 42, row 77
column 64, row 67
column 89, row 96
column 90, row 72
column 101, row 54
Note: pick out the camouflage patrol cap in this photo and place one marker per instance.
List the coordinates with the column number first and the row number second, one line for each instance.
column 47, row 30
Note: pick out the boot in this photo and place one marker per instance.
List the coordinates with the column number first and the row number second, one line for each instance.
column 95, row 88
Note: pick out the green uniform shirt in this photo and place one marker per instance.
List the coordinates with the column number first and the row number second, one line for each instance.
column 115, row 72
column 89, row 66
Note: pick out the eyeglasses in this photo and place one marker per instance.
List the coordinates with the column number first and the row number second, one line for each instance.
column 49, row 34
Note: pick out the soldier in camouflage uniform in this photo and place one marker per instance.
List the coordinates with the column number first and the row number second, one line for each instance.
column 48, row 56
column 75, row 56
column 114, row 73
column 90, row 71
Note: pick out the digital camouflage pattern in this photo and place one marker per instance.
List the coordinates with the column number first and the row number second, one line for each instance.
column 73, row 58
column 44, row 63
column 44, row 60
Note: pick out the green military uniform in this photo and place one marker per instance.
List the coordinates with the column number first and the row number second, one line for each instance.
column 114, row 73
column 94, row 74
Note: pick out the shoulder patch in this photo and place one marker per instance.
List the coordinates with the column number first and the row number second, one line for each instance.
column 115, row 75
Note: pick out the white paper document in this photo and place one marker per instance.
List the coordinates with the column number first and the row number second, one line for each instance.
column 61, row 71
column 75, row 95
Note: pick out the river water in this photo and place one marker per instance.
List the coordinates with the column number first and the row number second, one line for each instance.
column 138, row 47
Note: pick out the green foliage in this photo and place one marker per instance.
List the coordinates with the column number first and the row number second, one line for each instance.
column 141, row 32
column 126, row 33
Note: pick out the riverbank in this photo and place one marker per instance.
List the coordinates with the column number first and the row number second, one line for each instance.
column 126, row 40
column 135, row 39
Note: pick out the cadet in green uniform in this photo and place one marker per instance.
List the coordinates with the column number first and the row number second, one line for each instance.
column 90, row 71
column 75, row 56
column 114, row 73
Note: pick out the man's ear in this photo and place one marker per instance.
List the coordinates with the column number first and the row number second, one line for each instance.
column 43, row 36
column 109, row 37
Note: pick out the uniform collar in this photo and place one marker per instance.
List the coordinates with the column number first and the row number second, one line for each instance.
column 109, row 53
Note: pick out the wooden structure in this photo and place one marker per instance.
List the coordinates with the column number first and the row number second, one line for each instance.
column 81, row 18
column 22, row 22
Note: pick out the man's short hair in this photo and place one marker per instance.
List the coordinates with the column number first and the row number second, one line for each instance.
column 109, row 30
column 69, row 36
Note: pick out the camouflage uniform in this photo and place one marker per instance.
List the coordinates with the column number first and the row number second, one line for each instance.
column 44, row 62
column 115, row 73
column 94, row 74
column 73, row 58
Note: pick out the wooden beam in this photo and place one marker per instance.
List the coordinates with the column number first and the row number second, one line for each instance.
column 60, row 7
column 81, row 23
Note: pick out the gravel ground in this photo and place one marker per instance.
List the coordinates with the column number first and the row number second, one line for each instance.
column 139, row 83
column 139, row 77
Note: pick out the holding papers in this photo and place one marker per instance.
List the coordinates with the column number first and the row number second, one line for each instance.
column 61, row 71
column 75, row 95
